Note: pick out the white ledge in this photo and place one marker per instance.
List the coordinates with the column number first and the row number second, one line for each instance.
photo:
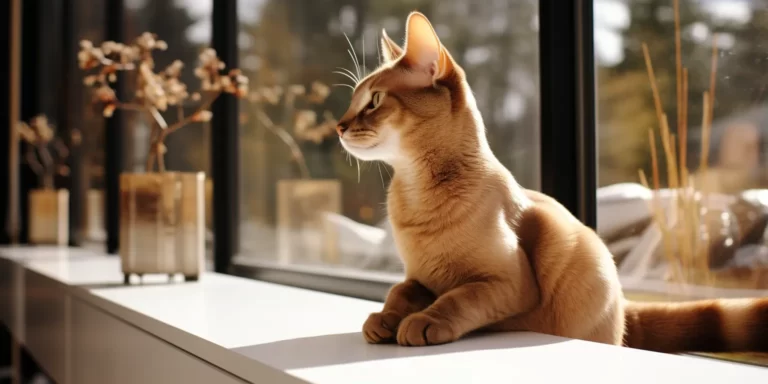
column 260, row 332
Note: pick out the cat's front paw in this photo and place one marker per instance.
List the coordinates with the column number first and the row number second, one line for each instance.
column 381, row 327
column 421, row 329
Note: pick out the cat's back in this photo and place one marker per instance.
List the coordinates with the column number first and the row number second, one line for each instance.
column 580, row 290
column 559, row 243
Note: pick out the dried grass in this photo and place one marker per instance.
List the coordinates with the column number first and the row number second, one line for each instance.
column 685, row 248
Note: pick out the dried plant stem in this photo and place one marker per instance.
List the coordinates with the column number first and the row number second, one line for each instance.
column 152, row 154
column 678, row 66
column 706, row 128
column 660, row 218
column 183, row 122
column 288, row 140
column 657, row 209
column 713, row 76
column 659, row 215
column 160, row 129
column 654, row 160
column 677, row 206
column 683, row 132
column 709, row 107
column 164, row 130
column 667, row 146
column 686, row 200
column 654, row 87
column 705, row 134
column 158, row 148
column 38, row 157
column 692, row 252
column 32, row 161
column 159, row 119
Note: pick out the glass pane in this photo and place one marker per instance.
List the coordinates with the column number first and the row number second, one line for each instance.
column 91, row 27
column 304, row 200
column 699, row 228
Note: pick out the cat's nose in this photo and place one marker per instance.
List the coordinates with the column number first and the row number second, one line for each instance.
column 341, row 128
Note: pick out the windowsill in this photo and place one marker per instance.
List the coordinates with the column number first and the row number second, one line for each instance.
column 253, row 330
column 362, row 284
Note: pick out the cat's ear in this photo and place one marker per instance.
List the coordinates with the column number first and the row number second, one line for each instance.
column 389, row 49
column 423, row 50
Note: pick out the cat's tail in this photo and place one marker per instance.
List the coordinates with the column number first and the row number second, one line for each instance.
column 726, row 325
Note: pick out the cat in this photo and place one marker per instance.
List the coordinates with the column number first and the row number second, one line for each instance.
column 481, row 252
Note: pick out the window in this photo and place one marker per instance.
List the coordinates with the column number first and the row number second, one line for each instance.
column 715, row 240
column 306, row 202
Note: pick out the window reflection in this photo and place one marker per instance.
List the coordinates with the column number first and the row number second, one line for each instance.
column 714, row 238
column 90, row 26
column 304, row 200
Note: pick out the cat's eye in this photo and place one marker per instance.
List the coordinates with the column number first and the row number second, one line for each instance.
column 376, row 100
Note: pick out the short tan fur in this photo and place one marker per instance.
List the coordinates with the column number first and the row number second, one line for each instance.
column 483, row 253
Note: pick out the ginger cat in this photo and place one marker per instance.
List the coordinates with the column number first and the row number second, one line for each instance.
column 480, row 251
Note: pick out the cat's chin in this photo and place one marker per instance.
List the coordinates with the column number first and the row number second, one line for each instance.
column 385, row 150
column 366, row 153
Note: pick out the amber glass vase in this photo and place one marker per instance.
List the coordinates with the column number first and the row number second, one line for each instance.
column 162, row 223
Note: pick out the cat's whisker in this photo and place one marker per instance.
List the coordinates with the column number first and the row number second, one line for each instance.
column 387, row 170
column 358, row 170
column 378, row 165
column 353, row 55
column 363, row 42
column 352, row 74
column 344, row 85
column 354, row 61
column 347, row 75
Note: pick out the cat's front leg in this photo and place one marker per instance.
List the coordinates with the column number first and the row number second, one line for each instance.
column 464, row 309
column 403, row 299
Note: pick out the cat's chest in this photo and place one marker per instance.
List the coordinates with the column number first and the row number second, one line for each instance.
column 443, row 261
column 446, row 247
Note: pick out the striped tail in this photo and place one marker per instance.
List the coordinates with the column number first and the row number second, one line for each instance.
column 727, row 325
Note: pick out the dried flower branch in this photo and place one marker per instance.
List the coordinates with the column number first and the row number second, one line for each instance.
column 156, row 91
column 305, row 125
column 296, row 152
column 40, row 136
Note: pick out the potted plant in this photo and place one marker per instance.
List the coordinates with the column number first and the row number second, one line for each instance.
column 302, row 227
column 162, row 213
column 46, row 155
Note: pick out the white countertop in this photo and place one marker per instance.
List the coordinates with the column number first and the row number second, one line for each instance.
column 240, row 324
